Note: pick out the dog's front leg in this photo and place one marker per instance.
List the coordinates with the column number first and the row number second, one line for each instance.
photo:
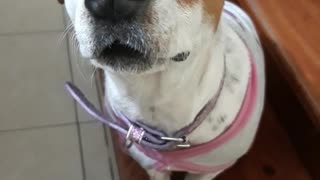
column 156, row 175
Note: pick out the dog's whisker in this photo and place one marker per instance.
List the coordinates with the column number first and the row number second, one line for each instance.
column 75, row 44
column 93, row 75
column 77, row 59
column 65, row 33
column 81, row 69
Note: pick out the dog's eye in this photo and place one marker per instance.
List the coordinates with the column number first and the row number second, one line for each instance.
column 181, row 56
column 61, row 1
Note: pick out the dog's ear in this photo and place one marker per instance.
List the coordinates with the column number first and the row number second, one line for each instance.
column 214, row 8
column 61, row 1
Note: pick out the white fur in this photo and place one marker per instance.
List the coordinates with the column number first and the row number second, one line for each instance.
column 169, row 96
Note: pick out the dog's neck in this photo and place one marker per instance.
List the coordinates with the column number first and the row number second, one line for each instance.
column 170, row 99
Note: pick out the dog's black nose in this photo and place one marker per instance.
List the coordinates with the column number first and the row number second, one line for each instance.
column 116, row 10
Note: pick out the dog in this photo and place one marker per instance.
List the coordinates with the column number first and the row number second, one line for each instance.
column 171, row 63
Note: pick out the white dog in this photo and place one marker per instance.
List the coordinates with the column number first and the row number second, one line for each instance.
column 190, row 69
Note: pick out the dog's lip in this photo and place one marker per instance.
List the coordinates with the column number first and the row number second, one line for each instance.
column 119, row 49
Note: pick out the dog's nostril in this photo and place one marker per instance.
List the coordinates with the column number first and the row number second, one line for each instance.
column 115, row 9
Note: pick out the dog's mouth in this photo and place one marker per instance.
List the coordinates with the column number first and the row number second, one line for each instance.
column 118, row 50
column 131, row 55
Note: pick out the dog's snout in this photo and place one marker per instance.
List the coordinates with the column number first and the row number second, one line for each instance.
column 116, row 10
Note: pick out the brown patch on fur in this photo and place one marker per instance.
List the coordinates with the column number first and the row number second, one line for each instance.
column 187, row 2
column 211, row 7
column 214, row 9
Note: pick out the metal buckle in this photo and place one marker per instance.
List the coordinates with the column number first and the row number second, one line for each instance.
column 186, row 145
column 173, row 139
column 134, row 135
column 183, row 142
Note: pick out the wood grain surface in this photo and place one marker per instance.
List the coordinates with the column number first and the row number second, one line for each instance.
column 290, row 29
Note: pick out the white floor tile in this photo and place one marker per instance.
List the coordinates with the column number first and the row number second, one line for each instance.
column 40, row 154
column 33, row 70
column 95, row 152
column 17, row 16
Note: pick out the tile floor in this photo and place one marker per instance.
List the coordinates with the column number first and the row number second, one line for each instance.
column 43, row 134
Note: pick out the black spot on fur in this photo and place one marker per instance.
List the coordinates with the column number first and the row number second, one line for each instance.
column 181, row 56
column 221, row 119
column 234, row 78
column 230, row 80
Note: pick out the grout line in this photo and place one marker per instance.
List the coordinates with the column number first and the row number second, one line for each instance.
column 84, row 177
column 111, row 169
column 112, row 160
column 30, row 33
column 44, row 127
column 89, row 122
column 37, row 31
column 38, row 127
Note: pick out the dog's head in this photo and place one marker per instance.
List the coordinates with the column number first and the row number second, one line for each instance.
column 137, row 35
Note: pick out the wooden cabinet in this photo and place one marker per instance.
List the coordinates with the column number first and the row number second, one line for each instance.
column 289, row 30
